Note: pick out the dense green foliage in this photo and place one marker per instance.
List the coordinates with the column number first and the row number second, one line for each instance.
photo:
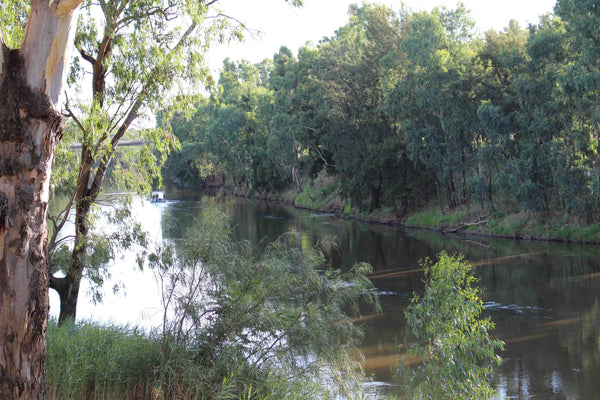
column 456, row 350
column 13, row 17
column 406, row 108
column 237, row 323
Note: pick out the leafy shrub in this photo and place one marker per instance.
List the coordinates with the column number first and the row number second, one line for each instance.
column 456, row 350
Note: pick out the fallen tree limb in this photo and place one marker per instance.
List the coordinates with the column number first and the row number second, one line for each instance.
column 463, row 225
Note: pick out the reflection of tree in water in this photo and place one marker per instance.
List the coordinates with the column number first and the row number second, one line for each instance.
column 559, row 360
column 553, row 352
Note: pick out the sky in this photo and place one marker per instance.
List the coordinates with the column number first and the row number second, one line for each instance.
column 282, row 24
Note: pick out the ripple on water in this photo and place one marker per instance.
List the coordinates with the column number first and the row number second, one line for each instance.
column 516, row 309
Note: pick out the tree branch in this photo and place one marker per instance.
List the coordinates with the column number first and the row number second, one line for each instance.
column 69, row 114
column 87, row 57
column 169, row 16
column 327, row 164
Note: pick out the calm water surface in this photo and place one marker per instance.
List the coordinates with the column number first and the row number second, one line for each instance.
column 543, row 297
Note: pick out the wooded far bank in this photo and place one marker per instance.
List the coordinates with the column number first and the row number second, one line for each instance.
column 401, row 113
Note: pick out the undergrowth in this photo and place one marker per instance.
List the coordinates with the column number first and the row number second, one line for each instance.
column 238, row 324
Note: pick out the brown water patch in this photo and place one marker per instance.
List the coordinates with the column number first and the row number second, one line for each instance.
column 394, row 274
column 489, row 261
column 564, row 321
column 365, row 318
column 526, row 338
column 585, row 277
column 383, row 364
column 378, row 349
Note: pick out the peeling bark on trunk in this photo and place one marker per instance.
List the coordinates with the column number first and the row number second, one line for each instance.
column 30, row 126
column 29, row 131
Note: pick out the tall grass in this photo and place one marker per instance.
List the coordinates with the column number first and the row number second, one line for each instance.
column 92, row 361
column 107, row 362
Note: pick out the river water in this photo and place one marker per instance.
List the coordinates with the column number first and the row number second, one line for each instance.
column 543, row 297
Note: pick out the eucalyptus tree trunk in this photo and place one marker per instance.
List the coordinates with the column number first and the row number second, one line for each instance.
column 88, row 189
column 31, row 80
column 296, row 168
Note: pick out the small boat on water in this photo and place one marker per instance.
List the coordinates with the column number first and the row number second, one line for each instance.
column 158, row 196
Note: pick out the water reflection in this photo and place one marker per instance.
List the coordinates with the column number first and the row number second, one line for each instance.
column 543, row 297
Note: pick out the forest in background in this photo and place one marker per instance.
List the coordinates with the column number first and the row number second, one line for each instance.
column 403, row 111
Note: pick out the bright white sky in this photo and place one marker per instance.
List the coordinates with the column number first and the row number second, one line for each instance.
column 282, row 24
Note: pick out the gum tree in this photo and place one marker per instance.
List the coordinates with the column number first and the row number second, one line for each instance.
column 429, row 89
column 31, row 82
column 343, row 104
column 137, row 53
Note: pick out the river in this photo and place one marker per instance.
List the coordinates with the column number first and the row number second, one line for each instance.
column 542, row 296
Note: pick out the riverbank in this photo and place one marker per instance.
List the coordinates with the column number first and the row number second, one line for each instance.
column 517, row 224
column 507, row 220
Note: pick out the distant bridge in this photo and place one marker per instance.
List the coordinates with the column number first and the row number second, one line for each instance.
column 122, row 143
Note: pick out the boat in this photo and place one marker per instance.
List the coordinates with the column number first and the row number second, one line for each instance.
column 158, row 196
